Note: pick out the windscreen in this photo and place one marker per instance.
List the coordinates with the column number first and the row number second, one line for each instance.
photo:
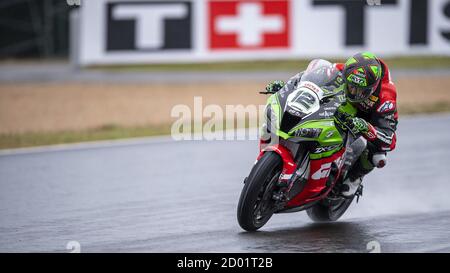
column 320, row 72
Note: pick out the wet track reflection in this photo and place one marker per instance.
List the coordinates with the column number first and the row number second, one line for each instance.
column 412, row 233
column 165, row 196
column 312, row 237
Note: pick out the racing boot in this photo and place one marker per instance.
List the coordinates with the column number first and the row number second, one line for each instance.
column 350, row 187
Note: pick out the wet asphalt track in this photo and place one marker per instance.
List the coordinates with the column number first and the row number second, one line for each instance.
column 156, row 195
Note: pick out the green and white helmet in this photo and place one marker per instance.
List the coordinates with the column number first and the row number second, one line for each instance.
column 362, row 74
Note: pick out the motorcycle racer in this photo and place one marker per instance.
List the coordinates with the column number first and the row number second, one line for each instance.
column 369, row 88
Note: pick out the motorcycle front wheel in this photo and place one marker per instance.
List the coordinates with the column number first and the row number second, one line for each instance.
column 256, row 205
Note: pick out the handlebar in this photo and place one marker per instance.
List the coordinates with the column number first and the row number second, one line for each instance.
column 266, row 92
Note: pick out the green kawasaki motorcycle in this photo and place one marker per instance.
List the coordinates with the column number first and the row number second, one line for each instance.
column 306, row 150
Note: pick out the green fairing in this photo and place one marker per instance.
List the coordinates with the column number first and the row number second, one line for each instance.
column 276, row 109
column 283, row 134
column 329, row 135
column 274, row 103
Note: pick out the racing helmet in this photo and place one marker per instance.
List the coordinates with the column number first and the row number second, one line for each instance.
column 362, row 75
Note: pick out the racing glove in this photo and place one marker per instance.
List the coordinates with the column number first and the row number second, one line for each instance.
column 275, row 86
column 360, row 126
column 342, row 118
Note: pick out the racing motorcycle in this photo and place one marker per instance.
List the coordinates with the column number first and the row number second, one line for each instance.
column 306, row 151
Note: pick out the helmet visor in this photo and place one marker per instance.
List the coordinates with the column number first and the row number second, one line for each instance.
column 359, row 94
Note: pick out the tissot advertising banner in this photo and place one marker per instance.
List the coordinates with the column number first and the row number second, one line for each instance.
column 146, row 31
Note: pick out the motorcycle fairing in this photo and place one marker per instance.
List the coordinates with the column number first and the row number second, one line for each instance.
column 316, row 187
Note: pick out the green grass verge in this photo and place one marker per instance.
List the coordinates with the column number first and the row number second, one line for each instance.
column 111, row 132
column 108, row 132
column 277, row 65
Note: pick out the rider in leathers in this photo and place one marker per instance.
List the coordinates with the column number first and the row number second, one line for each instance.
column 368, row 87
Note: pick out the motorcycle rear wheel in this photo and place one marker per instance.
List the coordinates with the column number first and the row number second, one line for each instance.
column 256, row 205
column 322, row 212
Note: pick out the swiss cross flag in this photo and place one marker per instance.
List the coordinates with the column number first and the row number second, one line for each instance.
column 248, row 24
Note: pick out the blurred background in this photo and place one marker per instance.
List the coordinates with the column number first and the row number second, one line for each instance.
column 85, row 70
